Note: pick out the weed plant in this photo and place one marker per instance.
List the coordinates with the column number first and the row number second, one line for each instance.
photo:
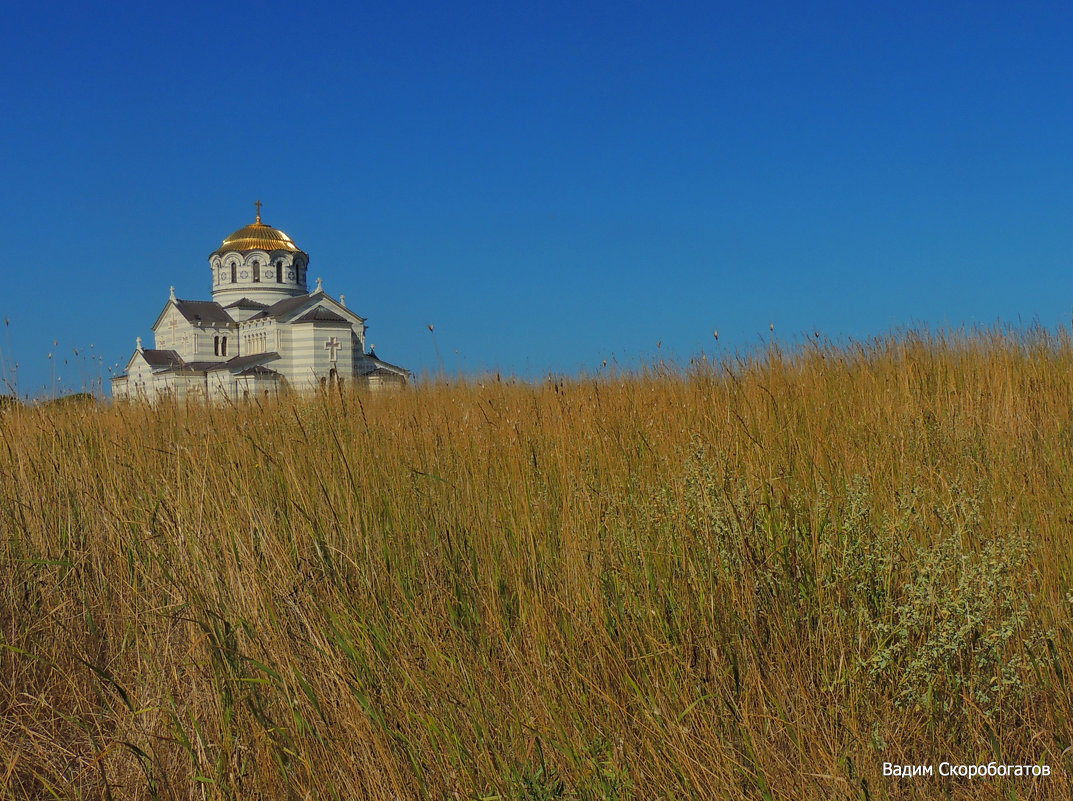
column 754, row 578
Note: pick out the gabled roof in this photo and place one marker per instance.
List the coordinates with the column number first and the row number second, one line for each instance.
column 372, row 365
column 240, row 363
column 322, row 315
column 246, row 303
column 258, row 369
column 158, row 360
column 162, row 358
column 200, row 367
column 284, row 307
column 197, row 312
column 384, row 371
column 168, row 361
column 203, row 311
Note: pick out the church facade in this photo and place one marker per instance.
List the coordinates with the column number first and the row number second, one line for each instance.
column 262, row 332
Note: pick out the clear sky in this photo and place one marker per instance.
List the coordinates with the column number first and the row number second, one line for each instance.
column 550, row 184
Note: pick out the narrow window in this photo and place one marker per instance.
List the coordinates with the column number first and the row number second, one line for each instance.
column 223, row 346
column 256, row 272
column 234, row 269
column 279, row 272
column 216, row 346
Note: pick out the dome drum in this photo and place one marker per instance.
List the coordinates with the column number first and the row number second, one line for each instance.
column 259, row 262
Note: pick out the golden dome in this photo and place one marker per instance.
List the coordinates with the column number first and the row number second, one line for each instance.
column 258, row 236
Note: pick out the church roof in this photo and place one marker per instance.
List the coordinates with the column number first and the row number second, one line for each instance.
column 246, row 303
column 257, row 236
column 321, row 315
column 171, row 361
column 258, row 369
column 282, row 307
column 385, row 371
column 241, row 363
column 380, row 366
column 203, row 311
column 161, row 358
column 201, row 367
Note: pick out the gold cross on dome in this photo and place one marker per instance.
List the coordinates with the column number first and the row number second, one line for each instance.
column 258, row 204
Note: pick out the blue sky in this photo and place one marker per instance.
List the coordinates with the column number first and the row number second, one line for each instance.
column 550, row 184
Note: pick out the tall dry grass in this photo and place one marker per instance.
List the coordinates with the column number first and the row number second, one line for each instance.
column 758, row 578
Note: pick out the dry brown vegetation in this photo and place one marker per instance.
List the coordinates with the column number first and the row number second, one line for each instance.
column 753, row 579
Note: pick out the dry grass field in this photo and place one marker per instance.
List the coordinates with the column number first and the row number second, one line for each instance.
column 749, row 578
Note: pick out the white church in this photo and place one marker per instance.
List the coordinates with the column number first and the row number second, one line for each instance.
column 262, row 332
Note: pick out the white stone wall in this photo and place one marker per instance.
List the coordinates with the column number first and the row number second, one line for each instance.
column 384, row 381
column 140, row 379
column 255, row 387
column 221, row 386
column 173, row 332
column 301, row 363
column 309, row 360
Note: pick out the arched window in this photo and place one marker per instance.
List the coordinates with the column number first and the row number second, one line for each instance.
column 223, row 343
column 234, row 270
column 279, row 272
column 256, row 272
column 216, row 346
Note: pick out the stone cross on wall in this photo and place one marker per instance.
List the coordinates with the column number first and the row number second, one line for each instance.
column 332, row 346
